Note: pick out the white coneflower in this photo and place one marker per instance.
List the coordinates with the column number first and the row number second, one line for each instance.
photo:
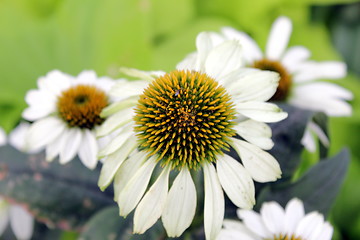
column 299, row 76
column 182, row 121
column 276, row 223
column 66, row 112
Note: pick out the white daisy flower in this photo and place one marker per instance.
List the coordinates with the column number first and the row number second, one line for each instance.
column 277, row 223
column 299, row 83
column 181, row 122
column 66, row 112
column 21, row 222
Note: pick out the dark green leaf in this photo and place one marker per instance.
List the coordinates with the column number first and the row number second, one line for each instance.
column 64, row 196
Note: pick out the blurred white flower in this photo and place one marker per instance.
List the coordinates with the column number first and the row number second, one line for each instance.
column 66, row 112
column 182, row 121
column 299, row 83
column 21, row 222
column 2, row 137
column 277, row 223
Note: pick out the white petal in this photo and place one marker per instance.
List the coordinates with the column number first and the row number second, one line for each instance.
column 22, row 223
column 325, row 89
column 117, row 141
column 294, row 57
column 115, row 121
column 43, row 132
column 151, row 206
column 251, row 84
column 88, row 149
column 261, row 165
column 310, row 225
column 2, row 137
column 311, row 98
column 327, row 232
column 261, row 111
column 180, row 204
column 125, row 89
column 236, row 182
column 35, row 113
column 257, row 133
column 278, row 38
column 114, row 161
column 319, row 133
column 253, row 221
column 214, row 208
column 188, row 63
column 55, row 82
column 251, row 50
column 240, row 227
column 130, row 196
column 311, row 70
column 230, row 234
column 294, row 212
column 308, row 141
column 118, row 106
column 273, row 216
column 71, row 146
column 204, row 46
column 17, row 136
column 144, row 75
column 54, row 148
column 4, row 215
column 86, row 77
column 224, row 59
column 41, row 104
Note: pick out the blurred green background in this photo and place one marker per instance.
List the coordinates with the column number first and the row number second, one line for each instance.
column 37, row 36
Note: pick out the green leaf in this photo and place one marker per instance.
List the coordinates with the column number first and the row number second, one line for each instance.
column 318, row 187
column 62, row 196
column 107, row 224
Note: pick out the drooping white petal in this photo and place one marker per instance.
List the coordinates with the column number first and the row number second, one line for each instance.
column 223, row 59
column 294, row 57
column 253, row 221
column 325, row 89
column 180, row 205
column 319, row 133
column 273, row 216
column 261, row 111
column 88, row 149
column 261, row 165
column 130, row 196
column 214, row 207
column 125, row 89
column 114, row 161
column 54, row 148
column 127, row 170
column 43, row 132
column 327, row 232
column 71, row 145
column 308, row 141
column 151, row 206
column 310, row 225
column 22, row 223
column 204, row 46
column 294, row 212
column 2, row 137
column 144, row 75
column 311, row 70
column 231, row 234
column 251, row 84
column 117, row 141
column 240, row 227
column 257, row 133
column 251, row 50
column 118, row 106
column 188, row 62
column 236, row 182
column 115, row 121
column 278, row 38
column 4, row 215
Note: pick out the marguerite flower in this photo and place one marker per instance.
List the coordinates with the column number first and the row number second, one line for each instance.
column 277, row 223
column 181, row 122
column 21, row 222
column 66, row 112
column 299, row 76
